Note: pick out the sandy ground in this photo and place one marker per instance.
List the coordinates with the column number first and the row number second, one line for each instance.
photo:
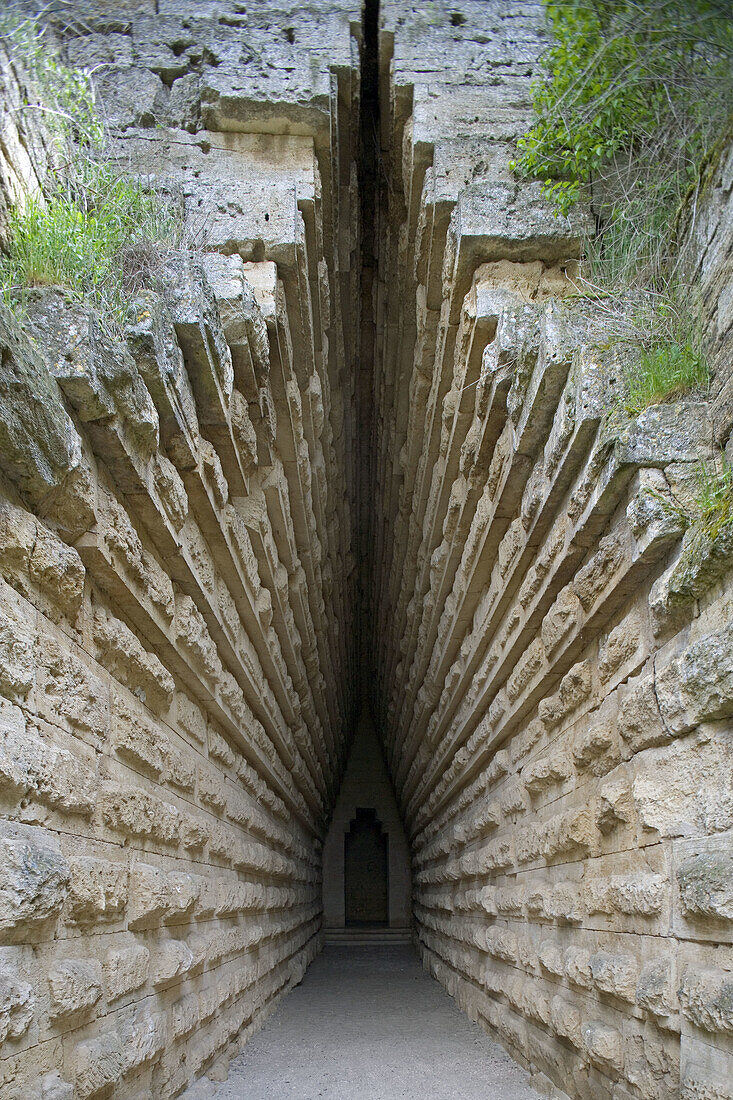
column 370, row 1024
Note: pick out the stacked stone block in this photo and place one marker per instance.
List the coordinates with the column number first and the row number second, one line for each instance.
column 175, row 644
column 554, row 661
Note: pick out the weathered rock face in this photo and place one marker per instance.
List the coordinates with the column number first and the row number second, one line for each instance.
column 355, row 448
column 553, row 676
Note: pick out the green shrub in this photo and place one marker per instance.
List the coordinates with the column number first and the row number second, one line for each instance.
column 95, row 233
column 88, row 239
column 633, row 96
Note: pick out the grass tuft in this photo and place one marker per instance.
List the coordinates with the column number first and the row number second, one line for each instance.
column 95, row 233
column 664, row 372
column 96, row 239
column 712, row 503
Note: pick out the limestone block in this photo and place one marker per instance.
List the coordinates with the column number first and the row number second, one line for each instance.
column 651, row 1062
column 125, row 969
column 564, row 617
column 193, row 635
column 134, row 811
column 184, row 1016
column 219, row 748
column 529, row 843
column 675, row 432
column 130, row 556
column 619, row 647
column 655, row 990
column 638, row 894
column 190, row 718
column 551, row 958
column 702, row 1081
column 15, row 771
column 194, row 833
column 687, row 787
column 40, row 446
column 501, row 943
column 201, row 336
column 170, row 489
column 137, row 739
column 705, row 883
column 212, row 789
column 698, row 686
column 125, row 656
column 654, row 524
column 244, row 432
column 73, row 696
column 17, row 1003
column 575, row 689
column 180, row 770
column 143, row 1038
column 183, row 892
column 53, row 775
column 30, row 554
column 98, row 1064
column 639, row 720
column 547, row 770
column 702, row 561
column 98, row 890
column 570, row 831
column 604, row 1045
column 17, row 655
column 53, row 1087
column 132, row 97
column 597, row 574
column 615, row 973
column 150, row 895
column 596, row 749
column 706, row 998
column 566, row 903
column 93, row 50
column 172, row 960
column 577, row 967
column 96, row 373
column 34, row 881
column 212, row 472
column 63, row 781
column 75, row 986
column 184, row 103
column 566, row 1021
column 513, row 798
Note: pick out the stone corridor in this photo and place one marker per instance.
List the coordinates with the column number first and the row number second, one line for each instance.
column 368, row 1023
column 333, row 553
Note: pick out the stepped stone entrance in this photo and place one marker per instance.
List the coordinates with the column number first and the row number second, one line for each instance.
column 335, row 519
column 366, row 862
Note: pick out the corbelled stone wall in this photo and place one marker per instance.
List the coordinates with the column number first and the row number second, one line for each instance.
column 554, row 657
column 327, row 465
column 176, row 657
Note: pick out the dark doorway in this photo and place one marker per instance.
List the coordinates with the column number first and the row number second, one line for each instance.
column 366, row 888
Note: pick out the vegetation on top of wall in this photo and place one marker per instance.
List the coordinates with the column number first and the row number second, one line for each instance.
column 663, row 372
column 633, row 96
column 667, row 359
column 95, row 233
